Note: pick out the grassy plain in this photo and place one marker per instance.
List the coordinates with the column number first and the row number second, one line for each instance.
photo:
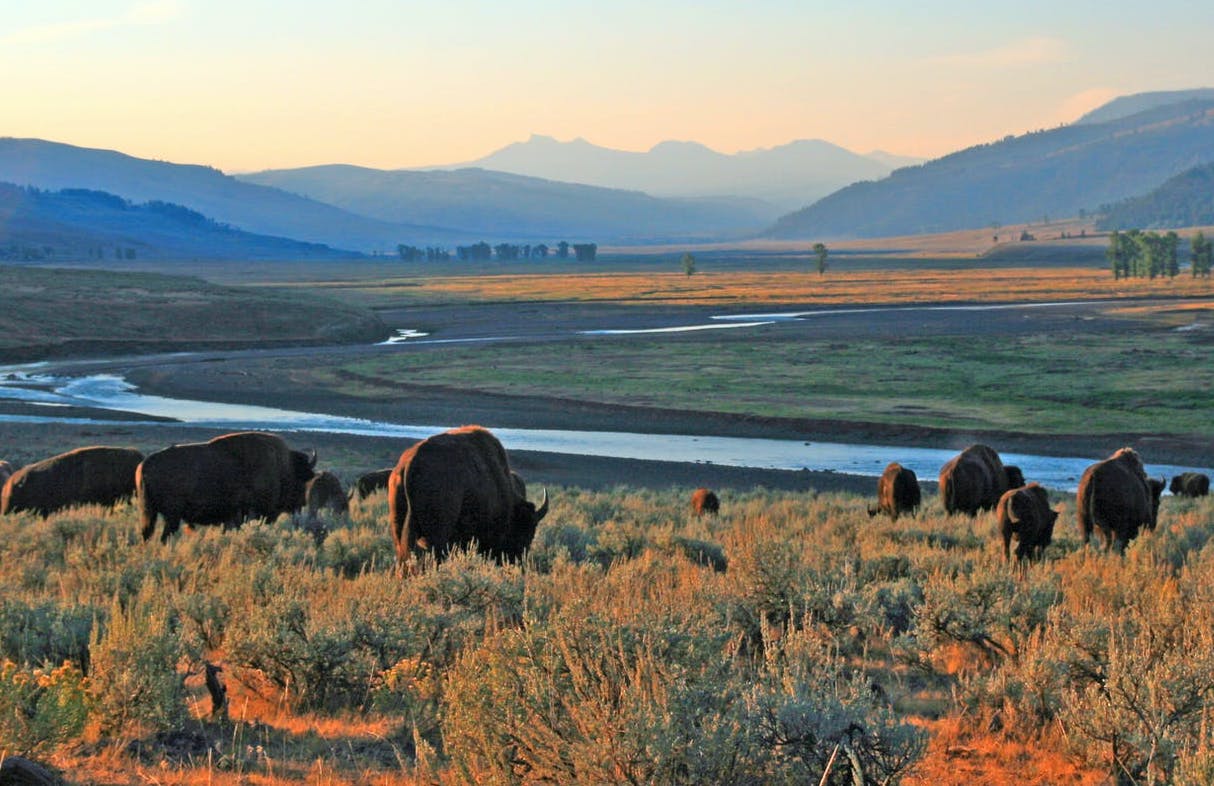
column 638, row 644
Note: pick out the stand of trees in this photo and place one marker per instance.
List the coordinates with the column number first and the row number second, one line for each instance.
column 1143, row 254
column 1201, row 255
column 482, row 251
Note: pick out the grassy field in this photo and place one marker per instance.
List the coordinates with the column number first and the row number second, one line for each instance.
column 47, row 312
column 638, row 644
column 1142, row 380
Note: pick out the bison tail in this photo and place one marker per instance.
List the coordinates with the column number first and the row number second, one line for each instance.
column 147, row 511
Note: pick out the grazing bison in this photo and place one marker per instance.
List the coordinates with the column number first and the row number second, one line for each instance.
column 974, row 480
column 1116, row 497
column 95, row 475
column 372, row 482
column 225, row 481
column 1191, row 484
column 455, row 489
column 704, row 501
column 1015, row 478
column 897, row 492
column 1024, row 514
column 324, row 492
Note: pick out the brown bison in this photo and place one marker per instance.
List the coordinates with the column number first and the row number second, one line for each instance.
column 225, row 481
column 371, row 482
column 974, row 480
column 324, row 492
column 456, row 489
column 897, row 492
column 94, row 475
column 1116, row 497
column 1024, row 514
column 704, row 501
column 1191, row 484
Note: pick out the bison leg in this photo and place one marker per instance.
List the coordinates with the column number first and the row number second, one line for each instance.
column 148, row 516
column 171, row 525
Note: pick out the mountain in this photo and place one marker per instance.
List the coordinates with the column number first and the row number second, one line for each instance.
column 82, row 224
column 1059, row 172
column 893, row 160
column 1185, row 200
column 253, row 208
column 1125, row 106
column 787, row 176
column 498, row 205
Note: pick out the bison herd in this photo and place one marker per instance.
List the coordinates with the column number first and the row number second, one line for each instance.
column 456, row 490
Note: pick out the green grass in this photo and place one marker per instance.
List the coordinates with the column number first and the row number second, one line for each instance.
column 1138, row 381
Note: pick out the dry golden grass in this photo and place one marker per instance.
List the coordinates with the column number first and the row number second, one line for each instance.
column 905, row 286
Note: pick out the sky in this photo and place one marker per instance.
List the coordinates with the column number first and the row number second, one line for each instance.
column 400, row 83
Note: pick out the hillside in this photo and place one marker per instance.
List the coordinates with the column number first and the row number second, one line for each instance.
column 82, row 224
column 1059, row 172
column 51, row 312
column 1125, row 106
column 497, row 205
column 1185, row 200
column 788, row 176
column 253, row 208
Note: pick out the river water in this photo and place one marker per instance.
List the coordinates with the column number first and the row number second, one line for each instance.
column 114, row 393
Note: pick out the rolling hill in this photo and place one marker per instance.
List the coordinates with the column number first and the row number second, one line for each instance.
column 788, row 176
column 497, row 205
column 253, row 208
column 1185, row 200
column 1125, row 106
column 84, row 224
column 1059, row 172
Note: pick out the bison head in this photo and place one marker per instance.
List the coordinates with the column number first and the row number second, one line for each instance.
column 1156, row 488
column 1015, row 478
column 1177, row 485
column 523, row 521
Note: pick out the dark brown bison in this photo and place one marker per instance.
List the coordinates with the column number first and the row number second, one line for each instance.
column 324, row 492
column 1015, row 478
column 974, row 480
column 1116, row 497
column 1191, row 484
column 233, row 477
column 94, row 475
column 897, row 492
column 455, row 489
column 6, row 472
column 704, row 501
column 1024, row 514
column 371, row 482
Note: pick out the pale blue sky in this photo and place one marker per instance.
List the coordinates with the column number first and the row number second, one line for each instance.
column 254, row 84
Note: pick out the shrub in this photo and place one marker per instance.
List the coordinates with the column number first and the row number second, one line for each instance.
column 41, row 708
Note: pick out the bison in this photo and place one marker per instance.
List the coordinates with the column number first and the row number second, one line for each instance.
column 94, row 475
column 974, row 480
column 1191, row 484
column 1024, row 514
column 371, row 482
column 1116, row 497
column 324, row 492
column 224, row 481
column 704, row 501
column 897, row 492
column 456, row 489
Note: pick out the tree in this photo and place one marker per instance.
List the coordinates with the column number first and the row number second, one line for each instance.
column 1201, row 255
column 562, row 250
column 1171, row 266
column 585, row 252
column 821, row 252
column 689, row 263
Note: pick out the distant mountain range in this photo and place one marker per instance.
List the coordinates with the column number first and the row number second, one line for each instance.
column 78, row 223
column 789, row 176
column 497, row 205
column 1125, row 106
column 253, row 208
column 1183, row 201
column 1059, row 172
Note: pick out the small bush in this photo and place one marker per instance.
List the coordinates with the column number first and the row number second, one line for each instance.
column 41, row 708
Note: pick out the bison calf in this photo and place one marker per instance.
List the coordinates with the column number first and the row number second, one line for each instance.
column 1025, row 514
column 704, row 501
column 1191, row 484
column 897, row 492
column 324, row 492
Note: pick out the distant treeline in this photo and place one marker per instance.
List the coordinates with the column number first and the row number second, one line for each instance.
column 1185, row 200
column 582, row 252
column 1140, row 254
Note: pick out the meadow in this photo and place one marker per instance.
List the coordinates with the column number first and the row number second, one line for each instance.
column 788, row 637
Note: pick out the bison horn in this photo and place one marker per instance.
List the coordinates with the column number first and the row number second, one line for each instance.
column 312, row 459
column 542, row 510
